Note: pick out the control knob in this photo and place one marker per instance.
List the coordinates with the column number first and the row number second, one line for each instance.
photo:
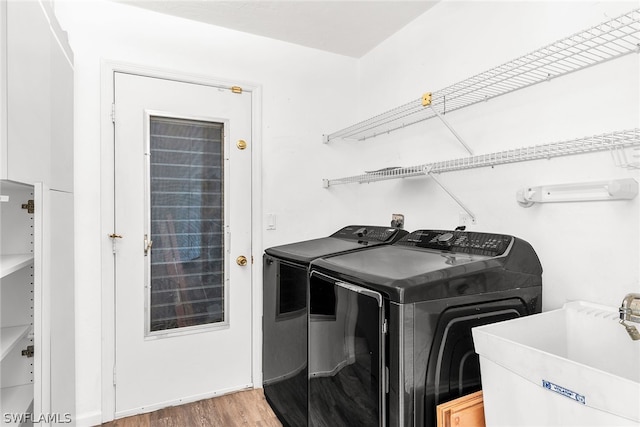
column 362, row 232
column 445, row 238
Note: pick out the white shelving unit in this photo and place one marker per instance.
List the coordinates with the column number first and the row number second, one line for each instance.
column 36, row 253
column 609, row 40
column 19, row 294
column 614, row 142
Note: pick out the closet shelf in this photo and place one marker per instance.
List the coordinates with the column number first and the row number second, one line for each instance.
column 11, row 336
column 609, row 141
column 16, row 400
column 609, row 40
column 12, row 263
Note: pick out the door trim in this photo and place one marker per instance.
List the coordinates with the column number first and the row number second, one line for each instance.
column 107, row 94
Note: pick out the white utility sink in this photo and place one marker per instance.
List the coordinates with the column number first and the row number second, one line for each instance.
column 575, row 366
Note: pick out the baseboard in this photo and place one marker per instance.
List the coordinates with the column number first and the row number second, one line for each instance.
column 181, row 401
column 89, row 419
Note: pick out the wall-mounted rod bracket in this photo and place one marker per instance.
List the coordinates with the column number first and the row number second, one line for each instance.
column 453, row 131
column 427, row 171
column 616, row 189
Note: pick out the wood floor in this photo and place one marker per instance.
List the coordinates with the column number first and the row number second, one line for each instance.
column 244, row 408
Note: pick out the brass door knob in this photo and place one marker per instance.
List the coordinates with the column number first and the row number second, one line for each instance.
column 241, row 260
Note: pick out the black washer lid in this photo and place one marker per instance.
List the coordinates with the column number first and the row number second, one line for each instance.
column 410, row 271
column 308, row 250
column 349, row 238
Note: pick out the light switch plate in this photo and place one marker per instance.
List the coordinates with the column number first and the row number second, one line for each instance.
column 271, row 221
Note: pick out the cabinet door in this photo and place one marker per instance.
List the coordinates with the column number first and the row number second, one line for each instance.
column 28, row 93
column 59, row 241
column 36, row 97
column 61, row 106
column 3, row 90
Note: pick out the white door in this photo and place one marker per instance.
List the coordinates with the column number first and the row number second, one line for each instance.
column 182, row 226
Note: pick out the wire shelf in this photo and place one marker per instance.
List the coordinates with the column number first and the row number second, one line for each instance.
column 609, row 40
column 613, row 142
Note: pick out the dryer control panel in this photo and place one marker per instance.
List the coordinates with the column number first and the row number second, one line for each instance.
column 458, row 241
column 367, row 233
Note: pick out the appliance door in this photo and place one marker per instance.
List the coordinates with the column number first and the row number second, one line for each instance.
column 347, row 374
column 284, row 326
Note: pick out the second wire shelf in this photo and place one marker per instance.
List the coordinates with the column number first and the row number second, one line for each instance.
column 613, row 141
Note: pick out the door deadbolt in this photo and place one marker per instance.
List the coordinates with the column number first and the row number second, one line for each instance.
column 241, row 260
column 241, row 144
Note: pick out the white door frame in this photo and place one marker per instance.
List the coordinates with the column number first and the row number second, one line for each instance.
column 107, row 216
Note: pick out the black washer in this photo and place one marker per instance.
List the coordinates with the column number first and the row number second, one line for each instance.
column 285, row 283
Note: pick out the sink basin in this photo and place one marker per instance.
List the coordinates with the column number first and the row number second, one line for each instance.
column 575, row 366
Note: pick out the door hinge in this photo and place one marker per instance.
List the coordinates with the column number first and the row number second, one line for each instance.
column 113, row 112
column 385, row 326
column 114, row 375
column 28, row 352
column 236, row 89
column 29, row 206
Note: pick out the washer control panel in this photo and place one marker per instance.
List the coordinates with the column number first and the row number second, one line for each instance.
column 458, row 241
column 368, row 233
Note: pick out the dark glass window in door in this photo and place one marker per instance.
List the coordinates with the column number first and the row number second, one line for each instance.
column 186, row 183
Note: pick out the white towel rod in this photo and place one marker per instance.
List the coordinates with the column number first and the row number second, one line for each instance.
column 615, row 189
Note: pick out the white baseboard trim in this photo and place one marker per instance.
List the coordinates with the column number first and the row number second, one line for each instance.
column 181, row 401
column 89, row 419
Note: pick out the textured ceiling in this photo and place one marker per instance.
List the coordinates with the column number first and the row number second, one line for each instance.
column 350, row 28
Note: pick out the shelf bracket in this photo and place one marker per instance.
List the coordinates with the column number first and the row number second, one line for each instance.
column 427, row 171
column 453, row 131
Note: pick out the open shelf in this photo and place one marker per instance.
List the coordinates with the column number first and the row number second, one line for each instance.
column 609, row 40
column 11, row 336
column 13, row 263
column 16, row 400
column 606, row 142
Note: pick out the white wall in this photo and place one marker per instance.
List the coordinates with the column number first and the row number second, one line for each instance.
column 299, row 91
column 588, row 251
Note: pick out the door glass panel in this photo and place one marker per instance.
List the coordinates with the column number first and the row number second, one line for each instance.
column 346, row 359
column 292, row 291
column 186, row 179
